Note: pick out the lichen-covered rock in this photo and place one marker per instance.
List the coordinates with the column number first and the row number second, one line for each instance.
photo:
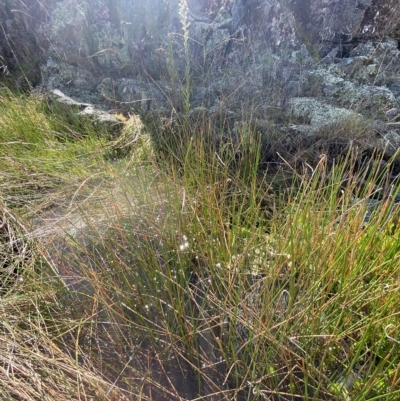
column 22, row 40
column 101, row 119
column 106, row 122
column 363, row 98
column 65, row 100
column 76, row 81
column 389, row 143
column 317, row 114
column 341, row 22
column 127, row 93
column 125, row 37
column 81, row 44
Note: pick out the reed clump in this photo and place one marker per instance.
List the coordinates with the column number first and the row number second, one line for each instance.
column 196, row 272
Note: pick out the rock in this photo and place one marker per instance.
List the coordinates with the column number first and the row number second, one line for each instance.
column 344, row 22
column 74, row 81
column 136, row 94
column 101, row 119
column 61, row 98
column 22, row 43
column 334, row 88
column 318, row 114
column 389, row 143
column 392, row 114
column 128, row 38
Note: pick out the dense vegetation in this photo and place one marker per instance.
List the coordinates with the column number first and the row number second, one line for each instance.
column 188, row 268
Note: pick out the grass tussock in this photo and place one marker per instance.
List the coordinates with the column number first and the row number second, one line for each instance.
column 34, row 364
column 41, row 148
column 201, row 276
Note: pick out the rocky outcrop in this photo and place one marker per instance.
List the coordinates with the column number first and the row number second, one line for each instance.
column 218, row 56
column 78, row 44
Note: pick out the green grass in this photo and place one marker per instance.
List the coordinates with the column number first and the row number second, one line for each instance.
column 192, row 274
column 42, row 147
